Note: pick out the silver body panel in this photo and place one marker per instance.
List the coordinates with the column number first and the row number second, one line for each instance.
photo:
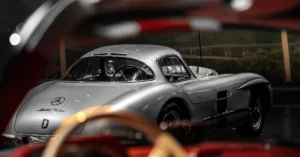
column 148, row 98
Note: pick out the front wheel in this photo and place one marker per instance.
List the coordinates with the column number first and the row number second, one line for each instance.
column 254, row 125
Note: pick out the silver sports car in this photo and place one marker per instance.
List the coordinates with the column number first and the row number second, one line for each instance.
column 152, row 80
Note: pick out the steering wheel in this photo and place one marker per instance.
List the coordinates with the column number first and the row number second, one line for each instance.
column 164, row 143
column 124, row 67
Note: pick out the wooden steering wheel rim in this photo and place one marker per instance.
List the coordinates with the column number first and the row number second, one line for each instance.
column 164, row 143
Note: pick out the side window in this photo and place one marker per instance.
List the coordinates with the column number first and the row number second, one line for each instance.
column 166, row 65
column 179, row 66
column 173, row 69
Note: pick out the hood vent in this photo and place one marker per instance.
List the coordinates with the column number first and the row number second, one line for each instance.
column 119, row 54
column 113, row 54
column 100, row 54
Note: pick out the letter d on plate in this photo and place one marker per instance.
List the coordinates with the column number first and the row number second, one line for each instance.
column 45, row 123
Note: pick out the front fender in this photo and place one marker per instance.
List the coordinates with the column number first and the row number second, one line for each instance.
column 254, row 82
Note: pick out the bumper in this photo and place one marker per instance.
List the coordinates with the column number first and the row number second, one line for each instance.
column 121, row 132
column 26, row 139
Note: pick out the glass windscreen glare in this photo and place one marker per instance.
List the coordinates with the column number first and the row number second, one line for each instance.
column 109, row 69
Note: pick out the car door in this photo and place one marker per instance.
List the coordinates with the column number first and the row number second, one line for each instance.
column 201, row 94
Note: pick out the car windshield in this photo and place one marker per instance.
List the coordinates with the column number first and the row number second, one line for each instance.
column 109, row 69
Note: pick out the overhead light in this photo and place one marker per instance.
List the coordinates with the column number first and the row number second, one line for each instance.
column 241, row 5
column 15, row 39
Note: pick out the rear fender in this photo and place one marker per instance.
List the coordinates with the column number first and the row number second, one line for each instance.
column 148, row 100
column 10, row 131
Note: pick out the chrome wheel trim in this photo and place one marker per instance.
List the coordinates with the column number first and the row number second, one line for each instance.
column 257, row 115
column 172, row 117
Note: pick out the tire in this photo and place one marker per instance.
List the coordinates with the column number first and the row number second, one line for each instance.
column 172, row 109
column 254, row 125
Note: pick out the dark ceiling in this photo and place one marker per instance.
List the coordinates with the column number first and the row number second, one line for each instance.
column 12, row 12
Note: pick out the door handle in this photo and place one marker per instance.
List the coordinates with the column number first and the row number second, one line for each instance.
column 223, row 98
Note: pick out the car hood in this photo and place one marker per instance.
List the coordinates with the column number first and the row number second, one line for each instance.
column 47, row 108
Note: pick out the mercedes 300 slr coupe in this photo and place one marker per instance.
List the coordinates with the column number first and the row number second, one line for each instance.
column 150, row 79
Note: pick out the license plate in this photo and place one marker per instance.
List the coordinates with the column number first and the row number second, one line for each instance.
column 39, row 139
